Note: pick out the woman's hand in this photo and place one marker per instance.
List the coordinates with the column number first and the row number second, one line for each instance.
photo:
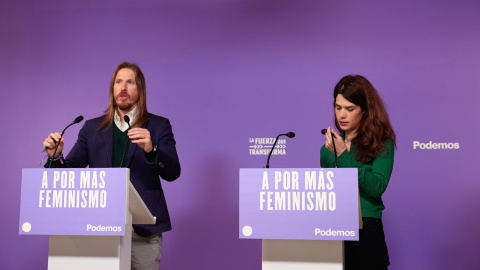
column 339, row 143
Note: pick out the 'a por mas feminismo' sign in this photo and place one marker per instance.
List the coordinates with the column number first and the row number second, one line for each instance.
column 302, row 203
column 73, row 201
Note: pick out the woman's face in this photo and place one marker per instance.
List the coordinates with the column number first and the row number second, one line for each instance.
column 347, row 114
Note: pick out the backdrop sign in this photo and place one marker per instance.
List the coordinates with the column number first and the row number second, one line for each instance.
column 302, row 203
column 73, row 201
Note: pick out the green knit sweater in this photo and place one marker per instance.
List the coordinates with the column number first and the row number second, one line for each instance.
column 120, row 144
column 120, row 139
column 373, row 177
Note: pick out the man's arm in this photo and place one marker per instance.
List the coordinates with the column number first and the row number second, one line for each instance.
column 167, row 158
column 158, row 144
column 78, row 156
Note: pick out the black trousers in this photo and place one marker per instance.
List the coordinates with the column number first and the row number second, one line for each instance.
column 370, row 252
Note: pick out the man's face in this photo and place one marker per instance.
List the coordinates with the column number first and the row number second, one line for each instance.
column 125, row 90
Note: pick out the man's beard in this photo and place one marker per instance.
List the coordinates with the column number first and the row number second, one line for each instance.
column 126, row 106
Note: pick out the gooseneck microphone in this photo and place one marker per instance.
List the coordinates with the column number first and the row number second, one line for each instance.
column 289, row 135
column 76, row 121
column 127, row 120
column 324, row 131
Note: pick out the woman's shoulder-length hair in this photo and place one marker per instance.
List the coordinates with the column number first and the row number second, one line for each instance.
column 374, row 128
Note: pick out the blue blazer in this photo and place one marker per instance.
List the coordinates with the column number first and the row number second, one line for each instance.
column 94, row 148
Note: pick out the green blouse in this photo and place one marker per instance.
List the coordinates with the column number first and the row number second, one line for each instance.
column 373, row 177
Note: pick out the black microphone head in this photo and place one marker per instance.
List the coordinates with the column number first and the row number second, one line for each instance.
column 78, row 119
column 290, row 134
column 127, row 119
column 324, row 131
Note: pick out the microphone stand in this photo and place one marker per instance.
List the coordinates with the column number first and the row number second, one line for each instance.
column 127, row 120
column 77, row 120
column 271, row 150
column 289, row 135
column 334, row 150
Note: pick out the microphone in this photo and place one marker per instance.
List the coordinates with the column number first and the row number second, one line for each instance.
column 127, row 120
column 289, row 135
column 324, row 131
column 76, row 121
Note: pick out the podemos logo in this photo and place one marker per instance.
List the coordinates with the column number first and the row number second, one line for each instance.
column 101, row 228
column 431, row 145
column 331, row 232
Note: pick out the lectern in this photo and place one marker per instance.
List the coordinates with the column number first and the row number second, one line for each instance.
column 88, row 214
column 302, row 215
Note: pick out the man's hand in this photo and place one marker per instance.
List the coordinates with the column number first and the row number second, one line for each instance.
column 51, row 143
column 141, row 137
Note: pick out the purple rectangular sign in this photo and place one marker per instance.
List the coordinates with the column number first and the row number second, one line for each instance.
column 302, row 203
column 73, row 201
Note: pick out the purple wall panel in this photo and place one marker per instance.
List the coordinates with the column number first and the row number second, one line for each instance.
column 227, row 71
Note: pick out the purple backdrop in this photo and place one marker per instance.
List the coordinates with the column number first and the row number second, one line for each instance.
column 226, row 71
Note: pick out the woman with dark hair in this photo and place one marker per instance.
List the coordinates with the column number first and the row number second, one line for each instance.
column 367, row 142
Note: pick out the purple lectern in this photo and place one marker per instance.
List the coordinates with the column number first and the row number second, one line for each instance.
column 88, row 214
column 292, row 209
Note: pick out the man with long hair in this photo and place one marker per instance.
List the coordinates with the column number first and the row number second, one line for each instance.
column 150, row 154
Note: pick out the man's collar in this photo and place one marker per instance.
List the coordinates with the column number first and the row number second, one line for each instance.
column 120, row 123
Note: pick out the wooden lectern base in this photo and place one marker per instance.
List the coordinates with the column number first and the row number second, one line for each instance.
column 80, row 252
column 302, row 255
